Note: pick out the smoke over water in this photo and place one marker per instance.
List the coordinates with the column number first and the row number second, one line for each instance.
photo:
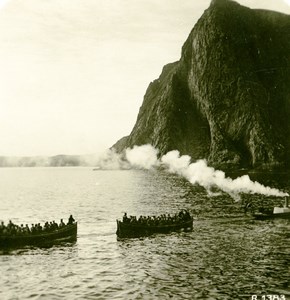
column 142, row 156
column 198, row 172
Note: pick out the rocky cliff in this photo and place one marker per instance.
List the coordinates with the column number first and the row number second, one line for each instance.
column 228, row 97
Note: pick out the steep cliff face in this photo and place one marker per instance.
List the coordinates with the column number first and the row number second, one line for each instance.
column 228, row 97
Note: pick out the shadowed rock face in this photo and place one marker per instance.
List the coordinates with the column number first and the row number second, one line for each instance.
column 228, row 97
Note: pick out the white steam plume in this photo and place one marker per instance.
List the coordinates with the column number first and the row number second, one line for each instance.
column 139, row 157
column 110, row 160
column 144, row 157
column 200, row 173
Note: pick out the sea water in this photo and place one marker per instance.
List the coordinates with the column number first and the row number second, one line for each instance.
column 228, row 255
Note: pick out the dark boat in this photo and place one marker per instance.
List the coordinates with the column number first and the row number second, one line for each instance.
column 271, row 215
column 275, row 213
column 131, row 230
column 68, row 233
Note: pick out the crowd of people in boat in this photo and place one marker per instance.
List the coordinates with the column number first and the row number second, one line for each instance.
column 14, row 229
column 160, row 220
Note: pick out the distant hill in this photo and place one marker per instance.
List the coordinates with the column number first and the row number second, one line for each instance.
column 228, row 97
column 52, row 161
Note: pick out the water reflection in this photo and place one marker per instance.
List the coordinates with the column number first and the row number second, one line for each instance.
column 47, row 250
column 230, row 259
column 228, row 255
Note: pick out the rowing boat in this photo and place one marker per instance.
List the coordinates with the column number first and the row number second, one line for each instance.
column 135, row 229
column 68, row 233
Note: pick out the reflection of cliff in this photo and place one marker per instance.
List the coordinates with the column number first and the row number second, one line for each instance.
column 228, row 97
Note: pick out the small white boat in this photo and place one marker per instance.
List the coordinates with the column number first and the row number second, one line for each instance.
column 277, row 212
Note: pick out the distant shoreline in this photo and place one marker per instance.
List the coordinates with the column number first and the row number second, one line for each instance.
column 46, row 161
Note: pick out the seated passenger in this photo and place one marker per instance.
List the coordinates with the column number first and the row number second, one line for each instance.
column 61, row 224
column 125, row 218
column 54, row 225
column 27, row 230
column 33, row 229
column 2, row 226
column 39, row 228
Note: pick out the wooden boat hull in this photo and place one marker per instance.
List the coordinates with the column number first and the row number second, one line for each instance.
column 65, row 234
column 270, row 216
column 128, row 230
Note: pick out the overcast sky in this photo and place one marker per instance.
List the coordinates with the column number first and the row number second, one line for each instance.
column 73, row 73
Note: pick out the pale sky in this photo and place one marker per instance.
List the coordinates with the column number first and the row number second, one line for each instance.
column 73, row 73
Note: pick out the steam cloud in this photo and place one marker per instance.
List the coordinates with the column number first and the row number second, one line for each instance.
column 199, row 172
column 196, row 173
column 142, row 156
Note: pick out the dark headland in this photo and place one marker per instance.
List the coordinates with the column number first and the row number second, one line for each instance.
column 228, row 97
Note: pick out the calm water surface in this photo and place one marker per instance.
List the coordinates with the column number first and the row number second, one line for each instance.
column 226, row 256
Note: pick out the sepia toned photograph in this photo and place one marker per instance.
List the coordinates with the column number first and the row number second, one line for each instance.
column 144, row 149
